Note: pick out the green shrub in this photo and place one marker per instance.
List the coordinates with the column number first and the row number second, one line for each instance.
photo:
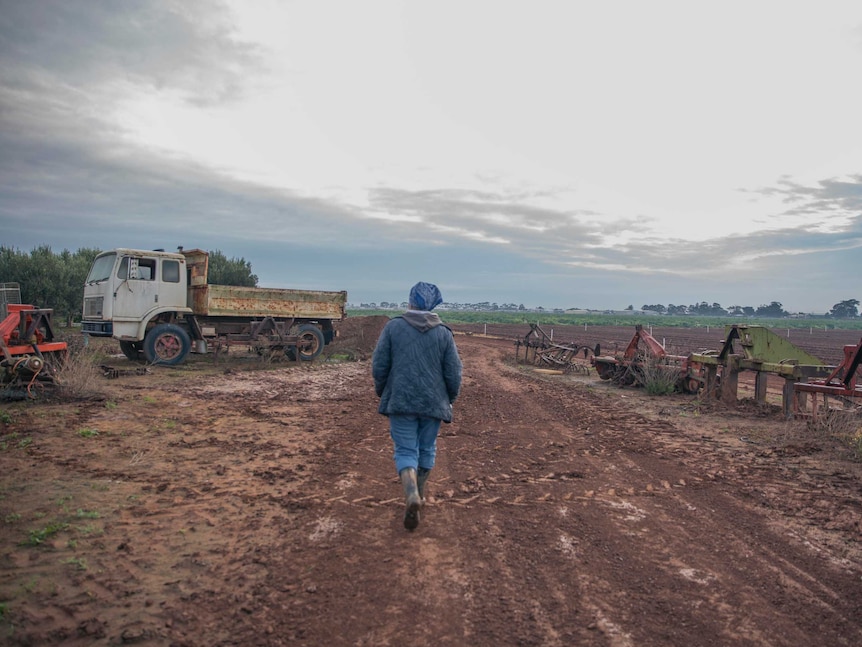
column 657, row 378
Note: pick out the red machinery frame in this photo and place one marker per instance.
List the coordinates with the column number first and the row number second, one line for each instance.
column 841, row 383
column 26, row 336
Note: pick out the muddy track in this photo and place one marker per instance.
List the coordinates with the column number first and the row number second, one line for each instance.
column 261, row 507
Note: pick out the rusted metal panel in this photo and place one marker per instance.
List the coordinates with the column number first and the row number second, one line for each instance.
column 197, row 262
column 232, row 301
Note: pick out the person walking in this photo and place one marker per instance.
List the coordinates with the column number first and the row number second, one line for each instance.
column 417, row 376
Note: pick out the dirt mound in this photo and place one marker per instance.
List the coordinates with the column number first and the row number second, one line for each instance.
column 357, row 336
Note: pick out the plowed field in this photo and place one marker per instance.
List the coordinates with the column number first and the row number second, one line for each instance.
column 243, row 502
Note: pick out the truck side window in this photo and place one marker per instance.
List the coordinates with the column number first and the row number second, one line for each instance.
column 146, row 269
column 170, row 271
column 123, row 268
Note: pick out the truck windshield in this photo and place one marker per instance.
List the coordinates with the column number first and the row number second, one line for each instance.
column 101, row 269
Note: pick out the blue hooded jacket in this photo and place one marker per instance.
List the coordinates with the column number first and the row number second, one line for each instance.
column 416, row 367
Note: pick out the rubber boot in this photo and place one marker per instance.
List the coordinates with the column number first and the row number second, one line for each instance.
column 421, row 479
column 412, row 500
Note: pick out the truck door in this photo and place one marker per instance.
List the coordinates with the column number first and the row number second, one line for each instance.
column 172, row 279
column 137, row 292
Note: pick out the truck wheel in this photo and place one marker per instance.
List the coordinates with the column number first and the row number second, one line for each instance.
column 166, row 344
column 134, row 350
column 310, row 342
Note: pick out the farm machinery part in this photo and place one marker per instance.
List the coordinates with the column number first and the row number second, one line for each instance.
column 758, row 349
column 29, row 355
column 541, row 350
column 274, row 339
column 645, row 356
column 842, row 385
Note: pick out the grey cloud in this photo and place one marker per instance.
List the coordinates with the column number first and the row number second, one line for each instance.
column 575, row 245
column 185, row 45
column 526, row 225
column 80, row 191
column 829, row 195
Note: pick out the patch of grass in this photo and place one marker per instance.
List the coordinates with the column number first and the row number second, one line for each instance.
column 87, row 433
column 8, row 438
column 87, row 514
column 148, row 399
column 78, row 562
column 341, row 356
column 13, row 440
column 89, row 529
column 110, row 405
column 38, row 537
column 12, row 517
column 5, row 418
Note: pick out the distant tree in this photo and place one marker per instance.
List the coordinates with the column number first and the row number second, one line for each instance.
column 845, row 309
column 659, row 308
column 48, row 280
column 676, row 310
column 13, row 266
column 75, row 267
column 774, row 309
column 521, row 307
column 630, row 307
column 234, row 271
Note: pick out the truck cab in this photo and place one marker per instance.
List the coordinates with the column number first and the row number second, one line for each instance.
column 128, row 288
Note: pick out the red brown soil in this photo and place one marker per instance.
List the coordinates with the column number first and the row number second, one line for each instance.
column 251, row 503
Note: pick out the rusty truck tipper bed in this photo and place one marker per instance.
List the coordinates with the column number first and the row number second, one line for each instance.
column 229, row 300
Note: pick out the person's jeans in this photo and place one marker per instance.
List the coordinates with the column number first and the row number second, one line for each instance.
column 415, row 440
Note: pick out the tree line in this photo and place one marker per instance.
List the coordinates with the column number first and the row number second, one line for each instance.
column 56, row 280
column 775, row 310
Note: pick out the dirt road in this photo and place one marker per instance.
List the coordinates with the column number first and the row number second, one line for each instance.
column 258, row 505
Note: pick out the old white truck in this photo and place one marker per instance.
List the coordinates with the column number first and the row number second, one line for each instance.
column 160, row 307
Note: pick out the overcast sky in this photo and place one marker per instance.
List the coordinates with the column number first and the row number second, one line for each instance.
column 553, row 153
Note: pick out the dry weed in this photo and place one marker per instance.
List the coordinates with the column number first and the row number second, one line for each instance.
column 80, row 375
column 843, row 425
column 657, row 378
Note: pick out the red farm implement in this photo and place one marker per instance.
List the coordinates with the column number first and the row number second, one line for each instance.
column 29, row 354
column 645, row 359
column 541, row 350
column 841, row 389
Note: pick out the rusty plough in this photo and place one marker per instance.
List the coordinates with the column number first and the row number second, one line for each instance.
column 540, row 349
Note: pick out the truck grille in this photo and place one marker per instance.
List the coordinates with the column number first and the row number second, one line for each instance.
column 93, row 307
